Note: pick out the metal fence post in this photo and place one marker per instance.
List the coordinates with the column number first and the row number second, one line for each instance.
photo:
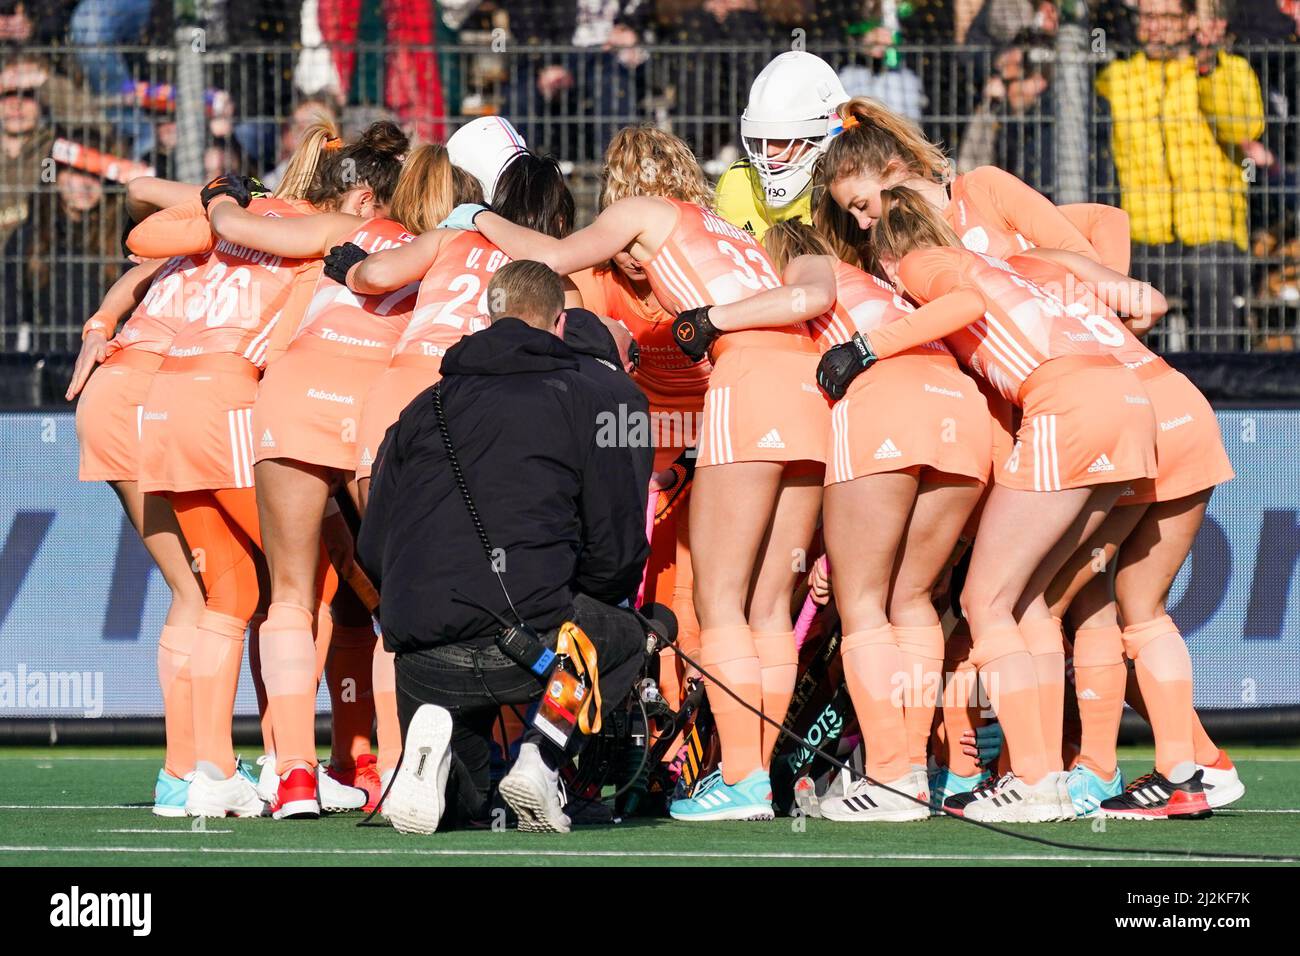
column 1073, row 101
column 191, row 118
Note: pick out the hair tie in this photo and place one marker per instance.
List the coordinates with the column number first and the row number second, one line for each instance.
column 850, row 121
column 333, row 143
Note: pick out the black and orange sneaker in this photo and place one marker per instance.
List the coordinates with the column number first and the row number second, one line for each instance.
column 1154, row 797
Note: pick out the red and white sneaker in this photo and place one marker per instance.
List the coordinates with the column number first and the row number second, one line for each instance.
column 296, row 798
column 364, row 776
column 1221, row 783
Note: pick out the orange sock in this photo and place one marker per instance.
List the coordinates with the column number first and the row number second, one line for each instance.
column 961, row 701
column 1164, row 672
column 1046, row 646
column 349, row 674
column 388, row 728
column 1007, row 672
column 1207, row 751
column 922, row 650
column 1099, row 678
column 214, row 677
column 728, row 653
column 259, row 685
column 873, row 669
column 322, row 633
column 175, row 645
column 289, row 669
column 779, row 661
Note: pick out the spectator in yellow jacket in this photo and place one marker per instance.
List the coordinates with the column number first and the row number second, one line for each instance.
column 1183, row 112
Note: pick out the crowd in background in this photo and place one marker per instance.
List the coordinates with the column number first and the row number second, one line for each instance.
column 86, row 103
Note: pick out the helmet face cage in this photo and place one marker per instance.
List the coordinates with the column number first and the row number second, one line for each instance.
column 786, row 175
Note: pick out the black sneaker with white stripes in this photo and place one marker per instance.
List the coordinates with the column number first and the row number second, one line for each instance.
column 1154, row 797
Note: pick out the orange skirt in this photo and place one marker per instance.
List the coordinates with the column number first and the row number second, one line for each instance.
column 108, row 415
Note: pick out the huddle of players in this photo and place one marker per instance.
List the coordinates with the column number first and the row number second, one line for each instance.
column 276, row 337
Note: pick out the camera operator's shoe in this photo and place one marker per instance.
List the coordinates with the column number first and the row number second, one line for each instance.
column 1088, row 790
column 532, row 791
column 715, row 799
column 418, row 795
column 865, row 802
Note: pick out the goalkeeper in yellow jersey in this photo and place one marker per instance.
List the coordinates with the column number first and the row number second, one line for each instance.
column 790, row 117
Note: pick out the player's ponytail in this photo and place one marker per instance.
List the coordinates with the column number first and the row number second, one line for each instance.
column 374, row 161
column 907, row 222
column 300, row 173
column 877, row 141
column 429, row 188
column 791, row 239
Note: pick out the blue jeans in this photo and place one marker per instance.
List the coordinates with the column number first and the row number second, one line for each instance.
column 108, row 23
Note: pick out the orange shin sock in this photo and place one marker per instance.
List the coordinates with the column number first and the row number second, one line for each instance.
column 349, row 674
column 961, row 701
column 1046, row 646
column 1207, row 751
column 922, row 650
column 779, row 662
column 728, row 653
column 214, row 677
column 289, row 669
column 1099, row 678
column 259, row 685
column 1164, row 672
column 388, row 728
column 1011, row 683
column 322, row 633
column 873, row 667
column 175, row 645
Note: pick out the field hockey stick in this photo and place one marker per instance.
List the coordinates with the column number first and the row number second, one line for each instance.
column 806, row 615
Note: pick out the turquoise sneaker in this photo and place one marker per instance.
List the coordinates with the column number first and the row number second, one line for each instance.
column 714, row 799
column 944, row 784
column 1087, row 790
column 246, row 770
column 169, row 795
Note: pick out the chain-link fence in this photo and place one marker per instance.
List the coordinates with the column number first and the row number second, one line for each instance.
column 1201, row 152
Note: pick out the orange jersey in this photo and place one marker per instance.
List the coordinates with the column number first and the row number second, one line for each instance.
column 452, row 299
column 664, row 370
column 707, row 261
column 862, row 303
column 159, row 316
column 367, row 326
column 1023, row 326
column 996, row 214
column 237, row 299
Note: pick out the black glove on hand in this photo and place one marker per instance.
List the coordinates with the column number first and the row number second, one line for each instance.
column 694, row 333
column 842, row 364
column 256, row 188
column 341, row 259
column 232, row 186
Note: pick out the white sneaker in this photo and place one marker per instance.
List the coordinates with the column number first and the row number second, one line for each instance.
column 268, row 781
column 385, row 779
column 336, row 797
column 1222, row 784
column 533, row 792
column 1011, row 800
column 418, row 796
column 865, row 802
column 234, row 796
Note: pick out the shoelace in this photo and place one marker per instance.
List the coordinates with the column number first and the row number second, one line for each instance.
column 707, row 783
column 1143, row 781
column 991, row 786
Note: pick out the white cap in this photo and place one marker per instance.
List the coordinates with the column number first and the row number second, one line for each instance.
column 485, row 147
column 794, row 98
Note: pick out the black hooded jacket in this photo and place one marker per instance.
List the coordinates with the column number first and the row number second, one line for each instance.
column 562, row 513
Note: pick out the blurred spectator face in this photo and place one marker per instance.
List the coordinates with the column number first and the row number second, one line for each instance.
column 20, row 108
column 79, row 192
column 1046, row 18
column 1164, row 26
column 303, row 117
column 14, row 24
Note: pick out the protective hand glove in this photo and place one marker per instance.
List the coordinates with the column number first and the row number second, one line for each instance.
column 462, row 217
column 256, row 188
column 694, row 333
column 842, row 364
column 341, row 259
column 232, row 186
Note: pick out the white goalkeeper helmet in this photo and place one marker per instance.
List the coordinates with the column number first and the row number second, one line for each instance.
column 790, row 117
column 484, row 148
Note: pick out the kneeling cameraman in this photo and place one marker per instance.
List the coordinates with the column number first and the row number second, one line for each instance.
column 553, row 531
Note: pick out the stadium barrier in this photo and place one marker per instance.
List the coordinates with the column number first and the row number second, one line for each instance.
column 234, row 110
column 81, row 604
